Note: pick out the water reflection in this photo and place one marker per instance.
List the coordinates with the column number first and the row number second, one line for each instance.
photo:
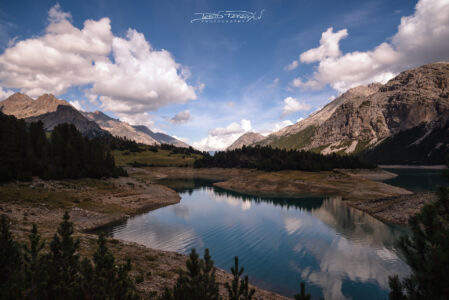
column 339, row 252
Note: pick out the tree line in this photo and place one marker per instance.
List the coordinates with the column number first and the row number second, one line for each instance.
column 26, row 151
column 274, row 159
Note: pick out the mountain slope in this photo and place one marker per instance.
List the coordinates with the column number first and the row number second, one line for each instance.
column 161, row 137
column 119, row 128
column 364, row 117
column 246, row 139
column 68, row 114
column 51, row 111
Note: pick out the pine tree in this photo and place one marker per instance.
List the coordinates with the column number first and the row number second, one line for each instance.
column 10, row 263
column 35, row 266
column 208, row 285
column 110, row 281
column 197, row 283
column 302, row 294
column 239, row 288
column 64, row 262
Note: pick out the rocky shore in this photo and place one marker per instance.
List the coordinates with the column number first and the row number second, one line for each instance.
column 96, row 203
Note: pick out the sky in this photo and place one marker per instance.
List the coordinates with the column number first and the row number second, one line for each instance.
column 205, row 82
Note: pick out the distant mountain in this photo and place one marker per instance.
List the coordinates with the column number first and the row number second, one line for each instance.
column 50, row 111
column 119, row 128
column 246, row 139
column 411, row 111
column 161, row 137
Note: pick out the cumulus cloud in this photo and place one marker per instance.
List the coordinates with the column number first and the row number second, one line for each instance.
column 329, row 46
column 293, row 65
column 124, row 75
column 292, row 105
column 181, row 117
column 76, row 104
column 421, row 38
column 137, row 119
column 221, row 138
column 275, row 126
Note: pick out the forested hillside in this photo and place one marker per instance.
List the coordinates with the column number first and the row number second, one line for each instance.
column 273, row 159
column 26, row 151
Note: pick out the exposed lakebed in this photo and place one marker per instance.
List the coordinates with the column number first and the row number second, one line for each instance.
column 340, row 252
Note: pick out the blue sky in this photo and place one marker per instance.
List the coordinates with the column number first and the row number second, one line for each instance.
column 235, row 71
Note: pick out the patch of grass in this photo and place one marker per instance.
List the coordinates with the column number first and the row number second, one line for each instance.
column 361, row 145
column 161, row 158
column 295, row 141
column 366, row 103
column 319, row 149
column 13, row 193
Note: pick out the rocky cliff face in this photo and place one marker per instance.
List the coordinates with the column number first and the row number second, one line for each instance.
column 51, row 111
column 22, row 106
column 246, row 139
column 118, row 128
column 364, row 117
column 68, row 114
column 161, row 137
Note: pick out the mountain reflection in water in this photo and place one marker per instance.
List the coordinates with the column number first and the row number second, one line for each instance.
column 340, row 253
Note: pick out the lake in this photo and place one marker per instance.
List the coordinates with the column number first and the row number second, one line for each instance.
column 339, row 252
column 418, row 180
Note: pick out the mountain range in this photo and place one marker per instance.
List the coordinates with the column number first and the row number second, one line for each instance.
column 52, row 111
column 405, row 120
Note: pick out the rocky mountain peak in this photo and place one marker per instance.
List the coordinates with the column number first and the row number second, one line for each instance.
column 415, row 101
column 246, row 139
column 15, row 103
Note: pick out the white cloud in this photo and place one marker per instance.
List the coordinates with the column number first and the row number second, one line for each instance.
column 329, row 46
column 137, row 119
column 221, row 138
column 55, row 14
column 181, row 117
column 276, row 126
column 5, row 93
column 124, row 75
column 293, row 65
column 182, row 139
column 421, row 38
column 76, row 104
column 292, row 105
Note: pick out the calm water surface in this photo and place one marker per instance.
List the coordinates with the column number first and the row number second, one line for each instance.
column 418, row 180
column 340, row 253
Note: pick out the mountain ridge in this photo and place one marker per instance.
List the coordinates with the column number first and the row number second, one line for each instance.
column 364, row 117
column 52, row 111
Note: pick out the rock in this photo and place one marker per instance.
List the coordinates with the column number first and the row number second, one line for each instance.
column 246, row 139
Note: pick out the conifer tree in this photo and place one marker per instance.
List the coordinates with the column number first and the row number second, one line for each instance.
column 64, row 262
column 35, row 267
column 109, row 280
column 208, row 286
column 197, row 283
column 10, row 263
column 239, row 288
column 302, row 294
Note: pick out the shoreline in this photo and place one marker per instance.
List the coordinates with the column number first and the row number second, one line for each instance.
column 96, row 204
column 115, row 200
column 430, row 167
